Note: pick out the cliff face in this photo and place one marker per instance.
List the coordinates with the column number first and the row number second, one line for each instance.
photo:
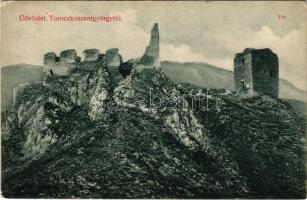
column 42, row 105
column 86, row 135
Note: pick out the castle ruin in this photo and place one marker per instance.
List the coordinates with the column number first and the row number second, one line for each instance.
column 151, row 55
column 68, row 59
column 113, row 58
column 256, row 72
column 91, row 55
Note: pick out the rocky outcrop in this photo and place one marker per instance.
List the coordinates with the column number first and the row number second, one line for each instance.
column 151, row 55
column 41, row 106
column 156, row 93
column 37, row 107
column 101, row 94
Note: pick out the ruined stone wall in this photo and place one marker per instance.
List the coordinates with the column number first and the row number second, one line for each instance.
column 91, row 55
column 243, row 73
column 113, row 58
column 258, row 69
column 265, row 72
column 54, row 65
column 68, row 61
column 151, row 55
column 68, row 56
column 59, row 69
column 50, row 59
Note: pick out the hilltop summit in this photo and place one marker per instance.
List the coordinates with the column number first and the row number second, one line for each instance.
column 84, row 136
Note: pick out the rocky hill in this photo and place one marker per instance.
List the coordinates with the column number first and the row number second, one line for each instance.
column 199, row 74
column 85, row 136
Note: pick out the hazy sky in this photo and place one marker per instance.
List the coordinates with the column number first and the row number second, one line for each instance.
column 210, row 32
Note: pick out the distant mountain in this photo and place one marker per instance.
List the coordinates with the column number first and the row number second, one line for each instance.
column 200, row 74
column 288, row 91
column 209, row 76
column 13, row 75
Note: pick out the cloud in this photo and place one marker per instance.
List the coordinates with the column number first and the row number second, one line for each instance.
column 184, row 53
column 179, row 53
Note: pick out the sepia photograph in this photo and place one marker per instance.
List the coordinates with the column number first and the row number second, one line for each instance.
column 153, row 99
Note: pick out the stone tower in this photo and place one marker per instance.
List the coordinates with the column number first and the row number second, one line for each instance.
column 256, row 72
column 151, row 55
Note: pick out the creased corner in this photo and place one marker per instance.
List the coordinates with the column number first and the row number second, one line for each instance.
column 5, row 3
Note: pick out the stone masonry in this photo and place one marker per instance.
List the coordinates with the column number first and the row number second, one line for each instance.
column 256, row 72
column 151, row 55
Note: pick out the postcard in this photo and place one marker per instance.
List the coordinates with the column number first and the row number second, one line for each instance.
column 153, row 99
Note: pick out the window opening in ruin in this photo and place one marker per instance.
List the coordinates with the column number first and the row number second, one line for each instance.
column 271, row 73
column 242, row 85
column 243, row 61
column 51, row 72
